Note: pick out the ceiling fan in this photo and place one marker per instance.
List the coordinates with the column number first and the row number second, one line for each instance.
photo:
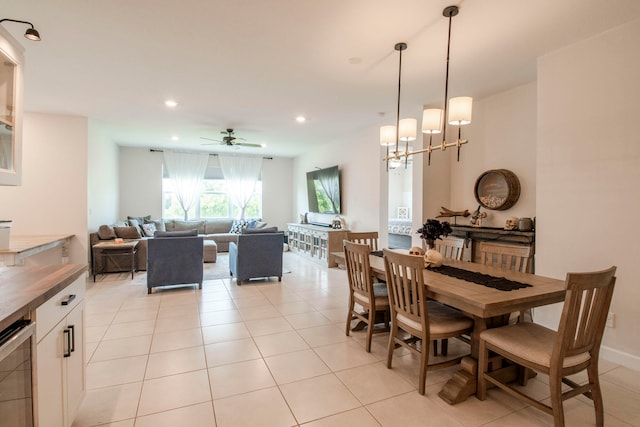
column 230, row 140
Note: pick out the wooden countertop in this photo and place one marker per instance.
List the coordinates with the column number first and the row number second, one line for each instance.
column 23, row 289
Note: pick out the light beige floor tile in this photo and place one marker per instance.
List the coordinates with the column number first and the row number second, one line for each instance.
column 217, row 305
column 580, row 412
column 237, row 378
column 344, row 355
column 226, row 332
column 178, row 323
column 90, row 348
column 527, row 417
column 146, row 302
column 175, row 362
column 175, row 340
column 373, row 382
column 307, row 320
column 356, row 417
column 294, row 307
column 125, row 423
column 253, row 301
column 223, row 353
column 122, row 347
column 268, row 408
column 99, row 319
column 618, row 402
column 318, row 397
column 95, row 333
column 220, row 317
column 200, row 415
column 136, row 315
column 623, row 377
column 335, row 315
column 268, row 326
column 108, row 404
column 175, row 391
column 296, row 366
column 411, row 410
column 323, row 335
column 284, row 342
column 182, row 295
column 117, row 371
column 258, row 312
column 129, row 329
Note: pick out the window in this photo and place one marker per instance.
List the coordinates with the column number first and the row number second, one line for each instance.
column 214, row 201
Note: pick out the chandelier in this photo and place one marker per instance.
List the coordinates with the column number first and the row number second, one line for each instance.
column 457, row 110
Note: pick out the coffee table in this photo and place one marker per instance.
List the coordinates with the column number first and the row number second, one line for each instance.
column 125, row 249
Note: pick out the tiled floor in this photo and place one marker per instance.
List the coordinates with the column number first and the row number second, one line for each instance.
column 275, row 354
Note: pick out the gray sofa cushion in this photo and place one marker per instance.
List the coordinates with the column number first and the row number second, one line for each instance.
column 106, row 232
column 179, row 225
column 127, row 232
column 260, row 230
column 183, row 233
column 217, row 226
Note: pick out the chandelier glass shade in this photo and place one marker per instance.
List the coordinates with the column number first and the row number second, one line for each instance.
column 456, row 110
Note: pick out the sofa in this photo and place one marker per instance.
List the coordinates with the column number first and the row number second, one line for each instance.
column 222, row 231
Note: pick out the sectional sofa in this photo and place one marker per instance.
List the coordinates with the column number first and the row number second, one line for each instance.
column 221, row 231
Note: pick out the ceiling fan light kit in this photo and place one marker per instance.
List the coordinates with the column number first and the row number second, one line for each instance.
column 457, row 110
column 229, row 140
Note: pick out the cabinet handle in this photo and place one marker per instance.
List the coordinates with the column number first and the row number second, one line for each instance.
column 72, row 348
column 67, row 335
column 68, row 300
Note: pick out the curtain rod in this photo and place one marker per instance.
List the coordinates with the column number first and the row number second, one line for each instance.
column 155, row 150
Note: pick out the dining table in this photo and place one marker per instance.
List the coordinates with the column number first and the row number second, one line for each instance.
column 488, row 306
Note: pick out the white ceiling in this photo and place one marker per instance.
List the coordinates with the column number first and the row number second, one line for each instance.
column 254, row 64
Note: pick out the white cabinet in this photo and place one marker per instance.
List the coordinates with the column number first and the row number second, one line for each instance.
column 60, row 383
column 316, row 242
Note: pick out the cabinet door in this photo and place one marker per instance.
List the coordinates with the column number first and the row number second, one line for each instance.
column 75, row 363
column 50, row 377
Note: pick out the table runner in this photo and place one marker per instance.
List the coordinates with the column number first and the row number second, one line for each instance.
column 500, row 283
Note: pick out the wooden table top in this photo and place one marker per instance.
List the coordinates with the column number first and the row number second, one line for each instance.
column 19, row 244
column 111, row 245
column 25, row 288
column 482, row 301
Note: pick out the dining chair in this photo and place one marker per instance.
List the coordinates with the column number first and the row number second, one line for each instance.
column 509, row 257
column 573, row 348
column 364, row 237
column 412, row 313
column 372, row 297
column 450, row 248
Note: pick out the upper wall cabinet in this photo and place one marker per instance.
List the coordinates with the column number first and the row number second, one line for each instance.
column 11, row 84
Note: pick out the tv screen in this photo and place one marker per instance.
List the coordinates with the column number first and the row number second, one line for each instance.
column 323, row 190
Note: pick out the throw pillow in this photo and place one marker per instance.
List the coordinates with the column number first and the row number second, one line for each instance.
column 135, row 223
column 127, row 232
column 106, row 233
column 237, row 226
column 159, row 223
column 140, row 219
column 260, row 224
column 149, row 229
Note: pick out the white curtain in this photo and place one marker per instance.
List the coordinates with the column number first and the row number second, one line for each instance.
column 186, row 170
column 241, row 175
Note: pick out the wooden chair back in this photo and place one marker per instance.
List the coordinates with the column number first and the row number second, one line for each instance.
column 365, row 237
column 508, row 257
column 405, row 284
column 584, row 315
column 358, row 268
column 450, row 247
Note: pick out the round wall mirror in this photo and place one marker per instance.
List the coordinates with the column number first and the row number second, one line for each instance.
column 497, row 189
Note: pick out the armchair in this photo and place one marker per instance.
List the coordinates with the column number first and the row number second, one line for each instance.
column 174, row 258
column 256, row 255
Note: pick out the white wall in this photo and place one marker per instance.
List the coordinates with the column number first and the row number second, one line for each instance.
column 141, row 185
column 140, row 182
column 502, row 135
column 588, row 172
column 102, row 179
column 53, row 196
column 358, row 157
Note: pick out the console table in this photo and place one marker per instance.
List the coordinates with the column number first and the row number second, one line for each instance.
column 125, row 250
column 22, row 247
column 316, row 242
column 474, row 235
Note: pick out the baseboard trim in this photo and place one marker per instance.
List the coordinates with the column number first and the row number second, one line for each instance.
column 627, row 360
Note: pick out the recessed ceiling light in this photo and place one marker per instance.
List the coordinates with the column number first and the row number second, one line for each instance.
column 175, row 138
column 301, row 119
column 170, row 103
column 264, row 144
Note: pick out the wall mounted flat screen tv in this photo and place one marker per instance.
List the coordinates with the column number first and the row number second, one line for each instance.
column 323, row 190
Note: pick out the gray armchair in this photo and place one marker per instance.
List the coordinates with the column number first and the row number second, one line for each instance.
column 174, row 258
column 256, row 255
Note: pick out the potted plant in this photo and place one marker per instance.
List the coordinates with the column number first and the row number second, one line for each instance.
column 433, row 230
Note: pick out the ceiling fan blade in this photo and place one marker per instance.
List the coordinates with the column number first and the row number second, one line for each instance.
column 244, row 144
column 210, row 139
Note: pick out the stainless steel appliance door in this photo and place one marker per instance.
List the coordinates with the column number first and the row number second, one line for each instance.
column 16, row 353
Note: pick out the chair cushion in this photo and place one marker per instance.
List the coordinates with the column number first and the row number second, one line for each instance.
column 442, row 320
column 380, row 293
column 529, row 341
